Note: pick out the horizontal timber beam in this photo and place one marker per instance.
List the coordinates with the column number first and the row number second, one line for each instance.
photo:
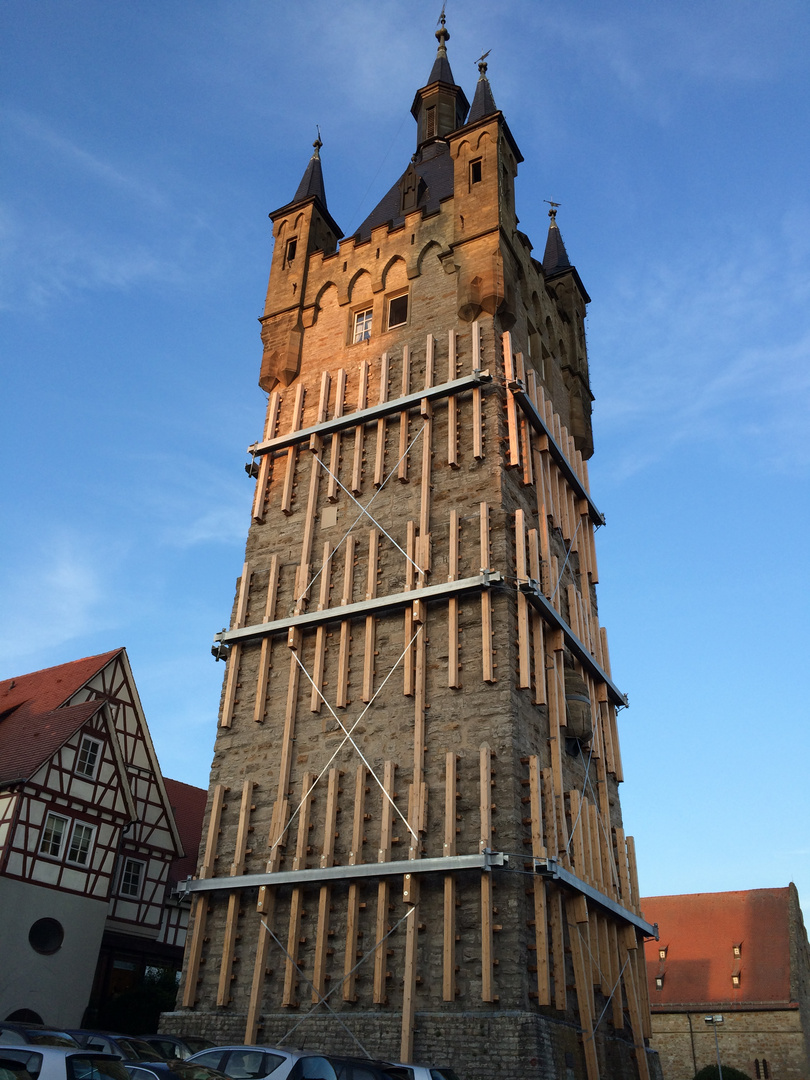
column 362, row 607
column 484, row 860
column 374, row 412
column 539, row 424
column 551, row 869
column 548, row 612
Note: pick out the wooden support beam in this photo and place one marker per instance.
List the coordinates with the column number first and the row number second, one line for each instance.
column 266, row 464
column 449, row 921
column 485, row 809
column 522, row 573
column 324, row 898
column 266, row 654
column 513, row 432
column 409, row 662
column 536, row 623
column 371, row 620
column 452, row 401
column 453, row 663
column 477, row 397
column 486, row 599
column 356, row 486
column 353, row 905
column 235, row 655
column 344, row 655
column 411, row 895
column 527, row 436
column 555, row 903
column 404, row 416
column 289, row 993
column 200, row 905
column 583, row 983
column 539, row 851
column 234, row 899
column 379, row 457
column 319, row 660
column 631, row 988
column 334, row 455
column 383, row 887
column 292, row 453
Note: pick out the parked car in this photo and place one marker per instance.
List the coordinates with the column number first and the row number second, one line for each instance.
column 110, row 1042
column 42, row 1062
column 179, row 1047
column 15, row 1032
column 258, row 1062
column 420, row 1072
column 171, row 1070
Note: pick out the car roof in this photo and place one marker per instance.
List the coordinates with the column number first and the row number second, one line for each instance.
column 56, row 1051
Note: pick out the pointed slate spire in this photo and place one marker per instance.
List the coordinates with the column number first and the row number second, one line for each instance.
column 312, row 180
column 483, row 101
column 441, row 65
column 555, row 257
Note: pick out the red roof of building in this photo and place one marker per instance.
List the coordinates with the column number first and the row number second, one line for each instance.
column 699, row 934
column 27, row 742
column 188, row 805
column 51, row 687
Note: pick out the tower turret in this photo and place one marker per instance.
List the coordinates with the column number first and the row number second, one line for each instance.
column 441, row 106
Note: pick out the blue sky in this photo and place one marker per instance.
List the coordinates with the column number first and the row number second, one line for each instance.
column 144, row 145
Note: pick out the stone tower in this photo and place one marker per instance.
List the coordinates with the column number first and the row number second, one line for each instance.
column 414, row 837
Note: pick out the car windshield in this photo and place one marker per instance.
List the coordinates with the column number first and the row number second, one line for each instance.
column 49, row 1038
column 137, row 1050
column 95, row 1067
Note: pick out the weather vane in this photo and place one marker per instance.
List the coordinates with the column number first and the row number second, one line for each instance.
column 553, row 211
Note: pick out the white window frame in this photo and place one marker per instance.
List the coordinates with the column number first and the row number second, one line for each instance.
column 88, row 740
column 361, row 325
column 62, row 835
column 88, row 851
column 127, row 861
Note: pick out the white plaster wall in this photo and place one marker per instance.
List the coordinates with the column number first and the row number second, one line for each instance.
column 58, row 986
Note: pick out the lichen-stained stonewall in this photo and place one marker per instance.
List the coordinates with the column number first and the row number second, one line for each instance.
column 414, row 838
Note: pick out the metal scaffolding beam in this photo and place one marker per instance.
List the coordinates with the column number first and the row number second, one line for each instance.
column 551, row 870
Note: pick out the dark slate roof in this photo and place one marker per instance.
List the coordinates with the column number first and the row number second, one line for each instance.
column 555, row 258
column 483, row 101
column 188, row 807
column 435, row 169
column 440, row 72
column 312, row 181
column 699, row 932
column 28, row 739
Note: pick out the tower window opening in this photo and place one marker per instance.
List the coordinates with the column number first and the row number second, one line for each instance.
column 430, row 122
column 362, row 326
column 475, row 172
column 397, row 311
column 289, row 254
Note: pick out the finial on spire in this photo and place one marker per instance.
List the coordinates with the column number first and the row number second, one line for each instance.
column 553, row 211
column 318, row 143
column 443, row 34
column 482, row 63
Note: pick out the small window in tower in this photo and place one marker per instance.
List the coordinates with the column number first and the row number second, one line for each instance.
column 362, row 325
column 289, row 254
column 659, row 982
column 397, row 311
column 735, row 981
column 430, row 122
column 475, row 172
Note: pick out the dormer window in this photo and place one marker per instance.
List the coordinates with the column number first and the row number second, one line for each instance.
column 87, row 758
column 362, row 325
column 735, row 981
column 659, row 982
column 662, row 953
column 736, row 950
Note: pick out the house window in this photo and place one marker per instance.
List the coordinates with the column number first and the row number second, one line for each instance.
column 131, row 877
column 475, row 172
column 88, row 757
column 289, row 253
column 80, row 843
column 397, row 311
column 362, row 325
column 430, row 122
column 53, row 835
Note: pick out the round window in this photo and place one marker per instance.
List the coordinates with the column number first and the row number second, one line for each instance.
column 46, row 936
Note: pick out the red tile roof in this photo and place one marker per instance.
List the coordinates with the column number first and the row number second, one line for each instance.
column 188, row 805
column 51, row 687
column 27, row 742
column 699, row 932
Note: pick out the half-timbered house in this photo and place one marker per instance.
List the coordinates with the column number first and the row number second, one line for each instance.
column 87, row 838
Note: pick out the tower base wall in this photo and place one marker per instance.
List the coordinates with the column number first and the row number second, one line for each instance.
column 479, row 1045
